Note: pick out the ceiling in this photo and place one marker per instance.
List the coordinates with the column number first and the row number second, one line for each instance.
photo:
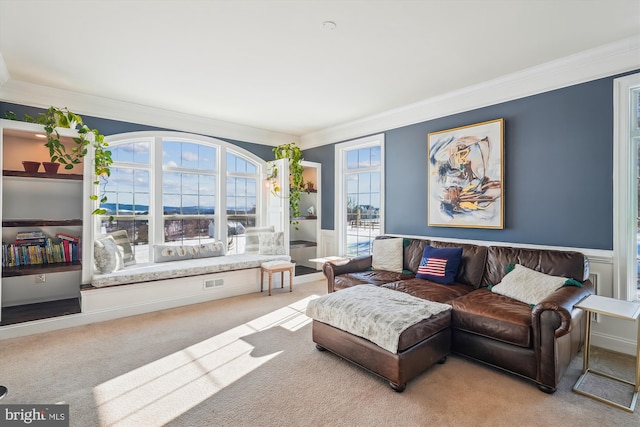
column 273, row 65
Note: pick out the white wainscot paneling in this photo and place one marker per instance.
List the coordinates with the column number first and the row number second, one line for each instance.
column 150, row 296
column 607, row 332
column 329, row 243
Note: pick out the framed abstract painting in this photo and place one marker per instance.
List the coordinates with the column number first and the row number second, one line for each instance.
column 465, row 176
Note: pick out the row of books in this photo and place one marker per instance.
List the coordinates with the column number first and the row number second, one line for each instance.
column 34, row 251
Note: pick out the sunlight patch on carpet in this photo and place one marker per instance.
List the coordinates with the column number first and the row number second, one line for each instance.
column 158, row 392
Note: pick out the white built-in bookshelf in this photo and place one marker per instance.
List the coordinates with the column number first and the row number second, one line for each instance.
column 38, row 204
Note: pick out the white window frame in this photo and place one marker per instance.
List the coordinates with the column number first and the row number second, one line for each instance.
column 625, row 191
column 258, row 175
column 340, row 171
column 155, row 217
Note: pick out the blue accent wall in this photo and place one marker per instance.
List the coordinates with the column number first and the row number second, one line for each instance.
column 558, row 170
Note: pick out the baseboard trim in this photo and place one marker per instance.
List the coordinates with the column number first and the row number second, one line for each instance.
column 613, row 343
column 81, row 319
column 308, row 278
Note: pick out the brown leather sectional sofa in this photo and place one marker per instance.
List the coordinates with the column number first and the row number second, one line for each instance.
column 535, row 343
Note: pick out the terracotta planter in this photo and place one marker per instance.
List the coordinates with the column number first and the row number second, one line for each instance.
column 51, row 168
column 31, row 166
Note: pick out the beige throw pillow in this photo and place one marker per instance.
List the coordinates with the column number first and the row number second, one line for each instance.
column 387, row 255
column 528, row 286
column 252, row 238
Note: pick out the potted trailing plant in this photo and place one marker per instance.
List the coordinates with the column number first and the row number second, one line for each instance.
column 54, row 118
column 293, row 154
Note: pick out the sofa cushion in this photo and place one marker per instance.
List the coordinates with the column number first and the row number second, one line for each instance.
column 556, row 263
column 439, row 265
column 424, row 329
column 495, row 316
column 431, row 291
column 474, row 258
column 372, row 277
column 387, row 254
column 528, row 286
column 413, row 250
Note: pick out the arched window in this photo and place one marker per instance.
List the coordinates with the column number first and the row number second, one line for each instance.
column 176, row 189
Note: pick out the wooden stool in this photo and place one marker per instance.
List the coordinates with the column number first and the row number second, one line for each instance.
column 276, row 267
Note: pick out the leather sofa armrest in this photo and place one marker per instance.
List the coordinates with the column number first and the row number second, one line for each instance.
column 357, row 264
column 557, row 328
column 561, row 302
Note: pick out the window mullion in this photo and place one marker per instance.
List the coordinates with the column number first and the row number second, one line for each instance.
column 156, row 218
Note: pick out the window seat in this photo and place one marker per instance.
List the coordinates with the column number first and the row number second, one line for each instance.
column 149, row 272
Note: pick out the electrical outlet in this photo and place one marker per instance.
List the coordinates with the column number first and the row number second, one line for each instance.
column 41, row 278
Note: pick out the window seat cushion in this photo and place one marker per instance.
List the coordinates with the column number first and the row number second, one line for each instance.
column 148, row 272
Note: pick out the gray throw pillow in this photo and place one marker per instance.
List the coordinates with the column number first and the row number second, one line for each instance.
column 206, row 250
column 164, row 253
column 107, row 256
column 252, row 239
column 271, row 243
column 124, row 246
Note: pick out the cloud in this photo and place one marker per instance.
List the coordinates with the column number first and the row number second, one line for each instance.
column 189, row 156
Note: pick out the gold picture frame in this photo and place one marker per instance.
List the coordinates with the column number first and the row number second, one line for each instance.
column 465, row 173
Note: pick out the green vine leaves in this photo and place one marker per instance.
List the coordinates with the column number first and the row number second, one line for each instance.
column 293, row 153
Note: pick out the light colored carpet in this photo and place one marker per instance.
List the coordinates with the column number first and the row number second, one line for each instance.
column 250, row 361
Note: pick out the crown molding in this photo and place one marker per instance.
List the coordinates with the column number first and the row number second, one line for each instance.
column 611, row 59
column 23, row 93
column 614, row 58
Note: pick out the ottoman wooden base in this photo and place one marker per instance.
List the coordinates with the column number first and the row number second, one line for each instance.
column 398, row 368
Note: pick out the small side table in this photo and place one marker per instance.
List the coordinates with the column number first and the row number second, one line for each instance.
column 620, row 309
column 271, row 267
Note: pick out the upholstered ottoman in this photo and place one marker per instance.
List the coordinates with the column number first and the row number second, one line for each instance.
column 391, row 334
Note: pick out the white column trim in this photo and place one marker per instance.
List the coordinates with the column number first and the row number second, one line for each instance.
column 625, row 196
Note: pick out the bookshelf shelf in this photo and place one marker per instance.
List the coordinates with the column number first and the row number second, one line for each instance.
column 22, row 174
column 41, row 222
column 297, row 244
column 28, row 270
